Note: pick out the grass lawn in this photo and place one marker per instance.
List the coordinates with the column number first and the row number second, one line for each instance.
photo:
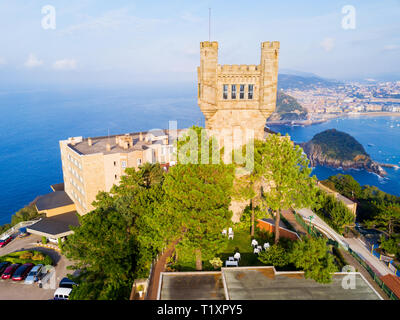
column 241, row 243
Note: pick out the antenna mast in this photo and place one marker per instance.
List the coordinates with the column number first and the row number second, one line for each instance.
column 209, row 24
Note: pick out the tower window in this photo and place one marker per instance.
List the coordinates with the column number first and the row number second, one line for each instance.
column 225, row 91
column 241, row 94
column 250, row 93
column 233, row 93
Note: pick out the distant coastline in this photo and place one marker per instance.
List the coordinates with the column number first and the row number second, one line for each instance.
column 325, row 118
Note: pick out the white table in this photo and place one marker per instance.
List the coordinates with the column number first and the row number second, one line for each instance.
column 231, row 264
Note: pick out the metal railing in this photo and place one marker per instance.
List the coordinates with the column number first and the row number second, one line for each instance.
column 374, row 276
column 19, row 225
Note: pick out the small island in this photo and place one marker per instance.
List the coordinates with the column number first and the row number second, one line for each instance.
column 338, row 149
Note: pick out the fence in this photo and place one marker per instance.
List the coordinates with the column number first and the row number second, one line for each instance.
column 310, row 229
column 374, row 276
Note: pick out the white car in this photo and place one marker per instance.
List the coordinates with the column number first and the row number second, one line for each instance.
column 62, row 293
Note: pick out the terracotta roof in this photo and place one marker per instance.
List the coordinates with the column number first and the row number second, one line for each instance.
column 393, row 283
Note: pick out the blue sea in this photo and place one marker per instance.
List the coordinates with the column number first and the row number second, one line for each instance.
column 380, row 137
column 34, row 120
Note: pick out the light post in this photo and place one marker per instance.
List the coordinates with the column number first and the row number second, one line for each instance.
column 311, row 217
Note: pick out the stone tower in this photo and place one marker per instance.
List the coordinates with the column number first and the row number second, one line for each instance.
column 237, row 97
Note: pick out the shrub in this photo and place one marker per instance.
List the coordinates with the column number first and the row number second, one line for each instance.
column 276, row 255
column 38, row 256
column 26, row 255
column 44, row 240
column 216, row 262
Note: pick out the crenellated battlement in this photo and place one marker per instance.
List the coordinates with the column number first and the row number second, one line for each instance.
column 270, row 45
column 208, row 44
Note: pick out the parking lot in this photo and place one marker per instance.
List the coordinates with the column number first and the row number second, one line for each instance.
column 17, row 290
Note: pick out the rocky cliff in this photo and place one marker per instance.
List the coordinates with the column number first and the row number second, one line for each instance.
column 338, row 149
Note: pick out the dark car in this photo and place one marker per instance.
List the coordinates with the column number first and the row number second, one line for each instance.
column 3, row 242
column 3, row 266
column 66, row 283
column 21, row 273
column 7, row 274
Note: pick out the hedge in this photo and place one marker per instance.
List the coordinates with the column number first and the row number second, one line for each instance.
column 23, row 257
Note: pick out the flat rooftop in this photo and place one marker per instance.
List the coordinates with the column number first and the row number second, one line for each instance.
column 99, row 144
column 265, row 284
column 55, row 225
column 53, row 200
column 259, row 283
column 192, row 286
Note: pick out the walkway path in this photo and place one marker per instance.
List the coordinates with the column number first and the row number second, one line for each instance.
column 156, row 272
column 355, row 244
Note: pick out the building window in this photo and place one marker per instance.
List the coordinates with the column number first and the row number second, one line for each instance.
column 123, row 164
column 241, row 94
column 250, row 94
column 233, row 93
column 199, row 93
column 225, row 93
column 139, row 161
column 115, row 163
column 115, row 176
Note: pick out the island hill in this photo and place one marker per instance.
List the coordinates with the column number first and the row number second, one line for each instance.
column 337, row 149
column 287, row 109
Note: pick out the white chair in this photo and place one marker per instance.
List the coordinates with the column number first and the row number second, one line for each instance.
column 254, row 243
column 230, row 230
column 256, row 250
column 237, row 256
column 230, row 236
column 224, row 232
column 231, row 259
column 259, row 248
column 266, row 246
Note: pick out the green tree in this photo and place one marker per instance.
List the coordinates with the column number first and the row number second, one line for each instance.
column 334, row 212
column 116, row 242
column 346, row 185
column 287, row 173
column 199, row 195
column 247, row 186
column 390, row 245
column 312, row 256
column 276, row 255
column 387, row 217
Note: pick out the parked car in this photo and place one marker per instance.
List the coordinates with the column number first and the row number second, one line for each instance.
column 22, row 271
column 5, row 240
column 62, row 293
column 66, row 283
column 34, row 274
column 3, row 266
column 7, row 274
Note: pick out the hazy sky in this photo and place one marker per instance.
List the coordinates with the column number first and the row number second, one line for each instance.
column 126, row 41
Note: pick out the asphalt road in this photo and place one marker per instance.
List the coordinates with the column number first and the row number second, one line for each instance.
column 11, row 290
